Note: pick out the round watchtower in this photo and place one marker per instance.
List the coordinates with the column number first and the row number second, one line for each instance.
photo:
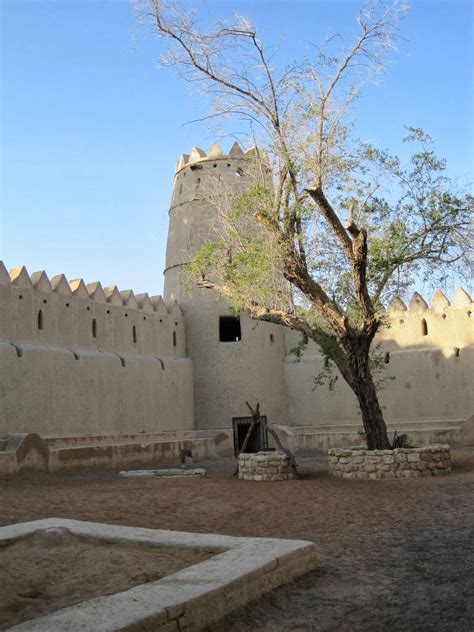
column 236, row 359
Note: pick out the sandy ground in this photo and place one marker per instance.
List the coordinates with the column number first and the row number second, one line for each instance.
column 394, row 555
column 54, row 569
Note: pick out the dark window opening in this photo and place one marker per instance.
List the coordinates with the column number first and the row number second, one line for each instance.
column 180, row 189
column 424, row 328
column 229, row 329
column 272, row 339
column 387, row 358
column 94, row 328
column 40, row 320
column 258, row 439
column 134, row 332
column 326, row 362
column 174, row 339
column 45, row 301
column 457, row 351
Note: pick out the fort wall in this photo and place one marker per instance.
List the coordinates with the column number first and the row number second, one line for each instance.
column 427, row 363
column 80, row 359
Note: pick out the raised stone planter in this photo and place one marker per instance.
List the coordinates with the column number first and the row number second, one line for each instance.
column 357, row 463
column 265, row 466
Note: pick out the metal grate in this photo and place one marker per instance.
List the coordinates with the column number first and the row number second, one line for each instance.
column 259, row 438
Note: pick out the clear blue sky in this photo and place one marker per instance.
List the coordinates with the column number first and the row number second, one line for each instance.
column 91, row 128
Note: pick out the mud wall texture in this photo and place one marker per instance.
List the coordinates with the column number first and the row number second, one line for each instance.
column 77, row 359
column 426, row 363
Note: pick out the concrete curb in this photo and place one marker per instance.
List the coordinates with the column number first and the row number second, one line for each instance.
column 242, row 570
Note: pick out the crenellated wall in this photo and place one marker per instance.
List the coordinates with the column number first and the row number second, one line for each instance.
column 80, row 359
column 428, row 360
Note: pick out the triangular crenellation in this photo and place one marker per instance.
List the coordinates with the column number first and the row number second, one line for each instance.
column 417, row 303
column 78, row 288
column 60, row 285
column 113, row 295
column 41, row 282
column 19, row 276
column 96, row 293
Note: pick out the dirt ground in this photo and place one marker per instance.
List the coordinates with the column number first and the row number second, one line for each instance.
column 394, row 554
column 54, row 569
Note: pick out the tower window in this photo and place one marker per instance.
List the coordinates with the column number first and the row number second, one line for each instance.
column 134, row 333
column 94, row 328
column 40, row 320
column 229, row 329
column 174, row 339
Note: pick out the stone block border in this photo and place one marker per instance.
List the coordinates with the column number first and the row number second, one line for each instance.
column 357, row 463
column 242, row 570
column 265, row 466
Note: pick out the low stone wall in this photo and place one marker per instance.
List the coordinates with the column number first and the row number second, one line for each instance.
column 357, row 463
column 265, row 466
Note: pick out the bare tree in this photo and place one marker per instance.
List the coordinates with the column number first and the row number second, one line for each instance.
column 286, row 255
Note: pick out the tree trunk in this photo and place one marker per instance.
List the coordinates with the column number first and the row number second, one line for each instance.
column 364, row 389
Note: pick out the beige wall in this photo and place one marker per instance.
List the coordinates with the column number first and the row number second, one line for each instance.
column 60, row 379
column 432, row 373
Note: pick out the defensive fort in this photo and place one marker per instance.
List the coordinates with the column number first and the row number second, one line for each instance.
column 98, row 375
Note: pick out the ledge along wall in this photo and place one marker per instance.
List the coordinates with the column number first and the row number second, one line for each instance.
column 427, row 358
column 79, row 359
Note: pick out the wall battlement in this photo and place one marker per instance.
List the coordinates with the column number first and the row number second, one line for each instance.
column 77, row 358
column 75, row 315
column 441, row 324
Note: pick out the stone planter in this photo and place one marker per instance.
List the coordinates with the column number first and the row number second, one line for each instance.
column 264, row 466
column 358, row 463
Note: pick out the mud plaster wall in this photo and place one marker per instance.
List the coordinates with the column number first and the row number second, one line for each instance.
column 88, row 365
column 427, row 376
